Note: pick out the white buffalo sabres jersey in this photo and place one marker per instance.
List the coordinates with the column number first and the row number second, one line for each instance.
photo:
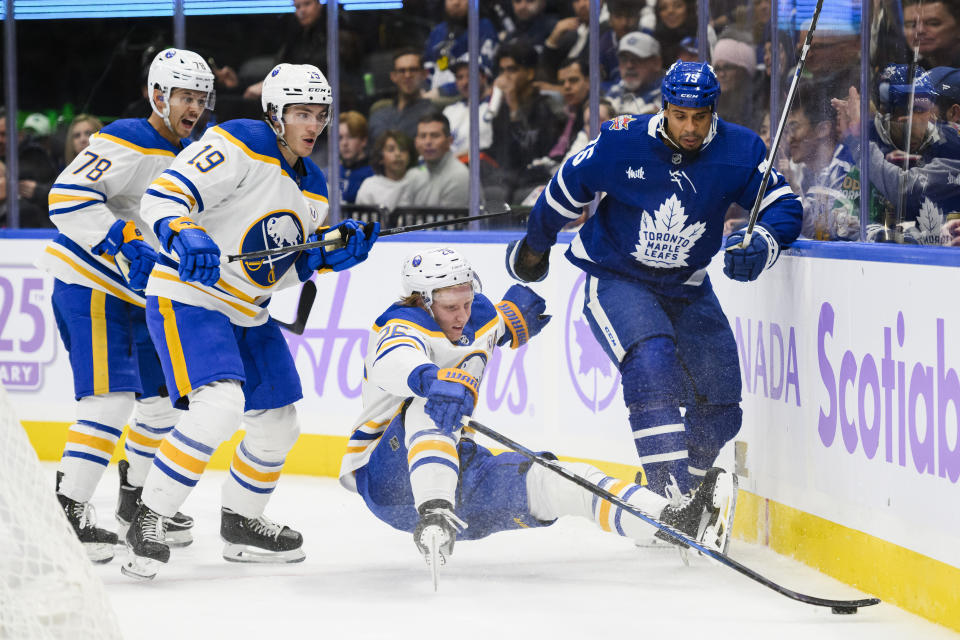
column 103, row 184
column 235, row 183
column 402, row 339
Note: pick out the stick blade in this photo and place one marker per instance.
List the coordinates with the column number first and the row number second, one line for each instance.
column 308, row 294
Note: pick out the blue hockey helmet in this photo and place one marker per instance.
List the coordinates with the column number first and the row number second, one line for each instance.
column 893, row 89
column 690, row 84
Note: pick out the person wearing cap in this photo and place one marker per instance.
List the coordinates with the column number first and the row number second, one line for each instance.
column 735, row 63
column 37, row 169
column 946, row 87
column 458, row 113
column 641, row 70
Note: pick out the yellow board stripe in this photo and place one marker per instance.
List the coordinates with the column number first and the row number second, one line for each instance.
column 174, row 348
column 252, row 473
column 120, row 293
column 183, row 459
column 432, row 445
column 130, row 145
column 603, row 517
column 171, row 186
column 98, row 335
column 101, row 444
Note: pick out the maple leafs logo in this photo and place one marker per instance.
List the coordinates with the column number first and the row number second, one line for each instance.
column 591, row 355
column 929, row 222
column 664, row 240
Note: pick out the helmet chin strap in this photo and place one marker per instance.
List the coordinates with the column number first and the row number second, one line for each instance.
column 662, row 130
column 274, row 122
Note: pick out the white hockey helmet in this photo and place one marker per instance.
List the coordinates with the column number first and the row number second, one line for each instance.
column 178, row 69
column 428, row 271
column 288, row 84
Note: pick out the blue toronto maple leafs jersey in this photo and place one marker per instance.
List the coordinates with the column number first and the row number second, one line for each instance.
column 661, row 220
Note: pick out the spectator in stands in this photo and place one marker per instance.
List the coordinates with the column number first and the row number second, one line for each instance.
column 575, row 89
column 393, row 156
column 458, row 113
column 641, row 71
column 448, row 41
column 37, row 170
column 606, row 112
column 567, row 40
column 530, row 23
column 78, row 135
column 525, row 127
column 405, row 110
column 3, row 132
column 735, row 63
column 812, row 139
column 624, row 19
column 946, row 86
column 441, row 180
column 935, row 28
column 676, row 20
column 354, row 168
column 689, row 51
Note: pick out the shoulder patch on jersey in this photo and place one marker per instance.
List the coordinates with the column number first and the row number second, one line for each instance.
column 621, row 123
column 137, row 134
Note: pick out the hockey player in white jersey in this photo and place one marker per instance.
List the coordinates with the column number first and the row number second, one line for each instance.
column 99, row 307
column 420, row 472
column 669, row 179
column 246, row 185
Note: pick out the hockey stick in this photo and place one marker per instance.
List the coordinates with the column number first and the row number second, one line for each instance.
column 255, row 255
column 772, row 152
column 839, row 606
column 308, row 293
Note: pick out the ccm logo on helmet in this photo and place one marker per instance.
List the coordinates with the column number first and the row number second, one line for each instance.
column 688, row 95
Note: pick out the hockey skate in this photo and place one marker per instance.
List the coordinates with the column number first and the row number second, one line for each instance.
column 178, row 528
column 97, row 542
column 707, row 515
column 436, row 533
column 145, row 540
column 258, row 539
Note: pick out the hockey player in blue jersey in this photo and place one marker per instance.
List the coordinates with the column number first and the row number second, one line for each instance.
column 669, row 179
column 245, row 186
column 101, row 262
column 420, row 472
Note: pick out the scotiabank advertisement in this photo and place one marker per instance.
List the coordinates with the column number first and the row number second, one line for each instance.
column 850, row 374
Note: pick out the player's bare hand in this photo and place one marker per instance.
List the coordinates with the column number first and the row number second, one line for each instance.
column 254, row 91
column 952, row 231
column 27, row 188
column 227, row 77
column 567, row 24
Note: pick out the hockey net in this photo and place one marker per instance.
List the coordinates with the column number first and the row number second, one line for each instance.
column 48, row 588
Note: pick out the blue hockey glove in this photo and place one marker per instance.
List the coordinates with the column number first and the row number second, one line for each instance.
column 199, row 255
column 136, row 256
column 522, row 311
column 524, row 264
column 359, row 239
column 746, row 264
column 451, row 396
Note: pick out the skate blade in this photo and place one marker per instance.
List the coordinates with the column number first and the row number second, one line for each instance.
column 716, row 534
column 653, row 542
column 430, row 540
column 99, row 552
column 140, row 568
column 178, row 538
column 245, row 553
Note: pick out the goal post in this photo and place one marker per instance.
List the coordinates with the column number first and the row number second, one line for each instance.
column 48, row 587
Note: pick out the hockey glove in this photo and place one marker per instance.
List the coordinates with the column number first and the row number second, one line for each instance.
column 522, row 311
column 359, row 239
column 450, row 397
column 745, row 264
column 524, row 264
column 136, row 258
column 199, row 255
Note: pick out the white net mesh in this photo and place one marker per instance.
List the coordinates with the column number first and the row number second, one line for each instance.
column 48, row 588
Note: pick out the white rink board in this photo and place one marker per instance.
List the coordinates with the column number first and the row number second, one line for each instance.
column 562, row 394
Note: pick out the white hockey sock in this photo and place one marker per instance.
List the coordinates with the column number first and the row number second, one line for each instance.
column 258, row 460
column 215, row 412
column 91, row 441
column 550, row 496
column 431, row 457
column 153, row 418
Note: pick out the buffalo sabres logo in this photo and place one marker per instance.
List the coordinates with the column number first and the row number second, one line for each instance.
column 621, row 123
column 275, row 230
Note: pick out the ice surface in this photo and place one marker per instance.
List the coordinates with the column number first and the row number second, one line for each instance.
column 362, row 579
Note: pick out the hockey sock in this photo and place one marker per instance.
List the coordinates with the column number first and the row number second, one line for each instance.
column 215, row 413
column 660, row 438
column 91, row 441
column 550, row 496
column 153, row 418
column 431, row 457
column 258, row 460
